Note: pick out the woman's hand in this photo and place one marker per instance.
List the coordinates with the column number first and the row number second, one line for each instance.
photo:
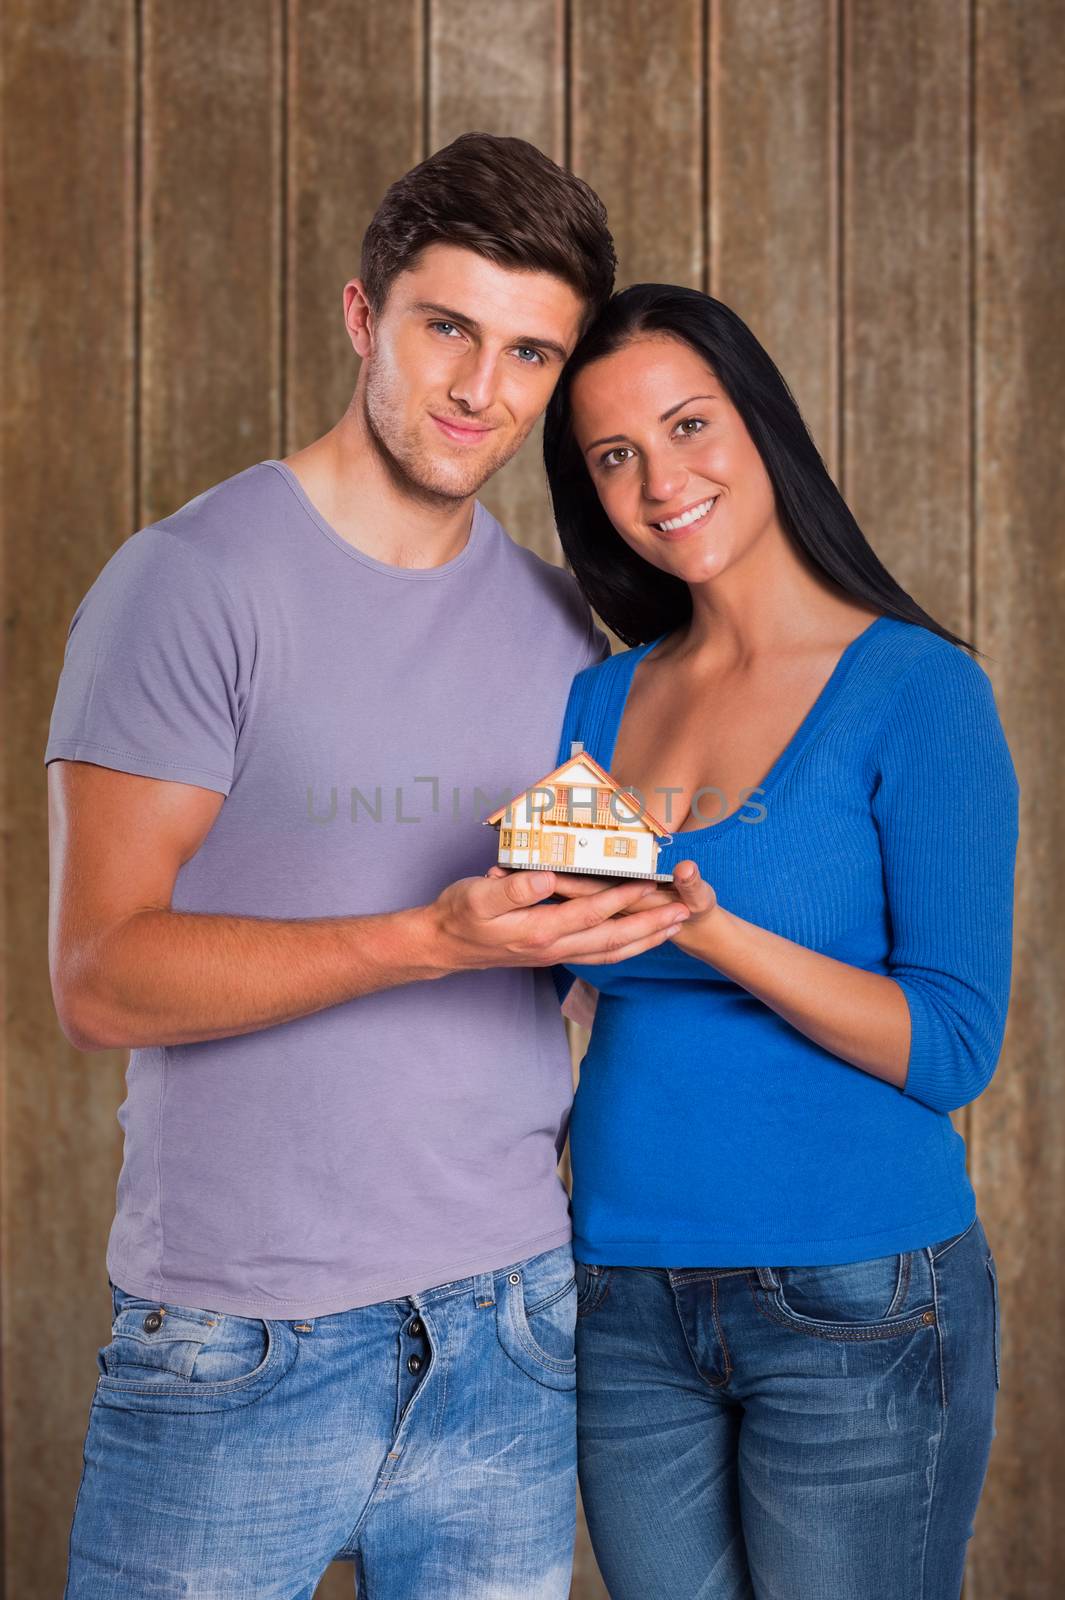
column 694, row 892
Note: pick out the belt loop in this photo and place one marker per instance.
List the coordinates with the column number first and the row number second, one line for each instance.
column 484, row 1289
column 767, row 1278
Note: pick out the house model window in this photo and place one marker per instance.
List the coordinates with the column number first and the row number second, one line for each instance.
column 578, row 819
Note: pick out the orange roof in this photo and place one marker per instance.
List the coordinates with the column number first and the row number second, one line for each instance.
column 582, row 755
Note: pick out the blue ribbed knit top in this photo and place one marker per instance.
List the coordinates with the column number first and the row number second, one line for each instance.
column 707, row 1130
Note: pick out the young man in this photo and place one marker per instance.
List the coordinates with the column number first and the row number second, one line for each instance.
column 340, row 1265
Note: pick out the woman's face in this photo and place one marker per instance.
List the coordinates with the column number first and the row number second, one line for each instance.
column 673, row 464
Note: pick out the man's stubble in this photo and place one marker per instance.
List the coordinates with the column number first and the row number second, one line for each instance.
column 410, row 464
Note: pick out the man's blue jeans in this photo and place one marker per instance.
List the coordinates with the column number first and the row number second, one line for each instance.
column 430, row 1440
column 789, row 1433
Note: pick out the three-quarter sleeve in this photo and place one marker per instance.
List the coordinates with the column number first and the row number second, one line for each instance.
column 156, row 672
column 945, row 802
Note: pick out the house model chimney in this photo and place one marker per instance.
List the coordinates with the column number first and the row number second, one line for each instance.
column 575, row 748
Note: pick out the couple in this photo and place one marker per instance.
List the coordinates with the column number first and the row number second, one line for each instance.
column 354, row 1317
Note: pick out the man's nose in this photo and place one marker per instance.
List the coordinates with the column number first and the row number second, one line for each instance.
column 474, row 385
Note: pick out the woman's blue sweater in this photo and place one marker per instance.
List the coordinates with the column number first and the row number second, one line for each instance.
column 708, row 1131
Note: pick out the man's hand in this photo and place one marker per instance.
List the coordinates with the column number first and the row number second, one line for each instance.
column 501, row 920
column 572, row 885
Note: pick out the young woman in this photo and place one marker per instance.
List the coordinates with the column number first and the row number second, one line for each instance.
column 788, row 1326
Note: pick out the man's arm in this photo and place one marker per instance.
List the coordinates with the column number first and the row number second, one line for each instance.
column 127, row 971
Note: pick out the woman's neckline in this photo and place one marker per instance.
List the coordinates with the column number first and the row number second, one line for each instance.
column 787, row 756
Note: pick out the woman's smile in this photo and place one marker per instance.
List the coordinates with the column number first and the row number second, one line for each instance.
column 687, row 521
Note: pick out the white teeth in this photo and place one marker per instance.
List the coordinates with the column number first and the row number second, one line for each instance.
column 689, row 516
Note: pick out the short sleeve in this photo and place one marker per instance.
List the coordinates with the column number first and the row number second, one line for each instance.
column 945, row 803
column 155, row 676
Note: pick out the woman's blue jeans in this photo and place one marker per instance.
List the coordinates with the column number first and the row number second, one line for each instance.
column 788, row 1433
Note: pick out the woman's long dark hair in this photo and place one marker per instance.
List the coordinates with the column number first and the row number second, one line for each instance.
column 639, row 601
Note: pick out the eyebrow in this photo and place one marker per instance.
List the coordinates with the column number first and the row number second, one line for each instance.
column 463, row 321
column 619, row 438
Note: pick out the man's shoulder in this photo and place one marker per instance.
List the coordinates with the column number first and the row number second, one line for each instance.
column 218, row 523
column 548, row 588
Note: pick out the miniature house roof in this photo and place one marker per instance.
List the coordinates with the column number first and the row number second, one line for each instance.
column 588, row 773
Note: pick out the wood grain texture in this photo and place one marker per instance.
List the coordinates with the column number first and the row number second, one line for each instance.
column 906, row 294
column 355, row 124
column 512, row 83
column 772, row 162
column 66, row 454
column 210, row 245
column 1018, row 1125
column 875, row 188
column 638, row 130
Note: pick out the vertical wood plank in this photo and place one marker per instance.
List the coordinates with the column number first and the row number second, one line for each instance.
column 906, row 387
column 500, row 69
column 1018, row 1137
column 355, row 124
column 638, row 127
column 211, row 286
column 66, row 456
column 773, row 190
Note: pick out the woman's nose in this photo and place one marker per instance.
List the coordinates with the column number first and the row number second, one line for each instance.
column 663, row 481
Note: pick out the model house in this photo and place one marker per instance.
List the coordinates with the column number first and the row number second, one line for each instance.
column 577, row 819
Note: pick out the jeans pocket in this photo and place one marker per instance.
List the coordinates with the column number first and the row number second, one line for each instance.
column 852, row 1300
column 536, row 1315
column 992, row 1272
column 166, row 1356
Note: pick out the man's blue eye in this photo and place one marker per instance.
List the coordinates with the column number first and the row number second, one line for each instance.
column 530, row 351
column 443, row 325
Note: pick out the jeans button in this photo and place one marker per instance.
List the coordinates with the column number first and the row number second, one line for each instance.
column 153, row 1322
column 414, row 1363
column 416, row 1328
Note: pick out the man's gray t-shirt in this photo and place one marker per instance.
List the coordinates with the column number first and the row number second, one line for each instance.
column 361, row 720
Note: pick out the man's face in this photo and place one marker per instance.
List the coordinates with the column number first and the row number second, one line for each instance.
column 459, row 364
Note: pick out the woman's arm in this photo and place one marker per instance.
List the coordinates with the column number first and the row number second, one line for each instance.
column 945, row 802
column 861, row 1016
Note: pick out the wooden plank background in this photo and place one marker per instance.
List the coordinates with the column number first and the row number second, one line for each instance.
column 875, row 188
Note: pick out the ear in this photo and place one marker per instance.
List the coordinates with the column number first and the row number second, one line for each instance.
column 358, row 316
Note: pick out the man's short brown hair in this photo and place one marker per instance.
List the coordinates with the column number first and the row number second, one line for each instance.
column 504, row 199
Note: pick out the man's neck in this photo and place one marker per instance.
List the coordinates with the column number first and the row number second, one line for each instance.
column 352, row 490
